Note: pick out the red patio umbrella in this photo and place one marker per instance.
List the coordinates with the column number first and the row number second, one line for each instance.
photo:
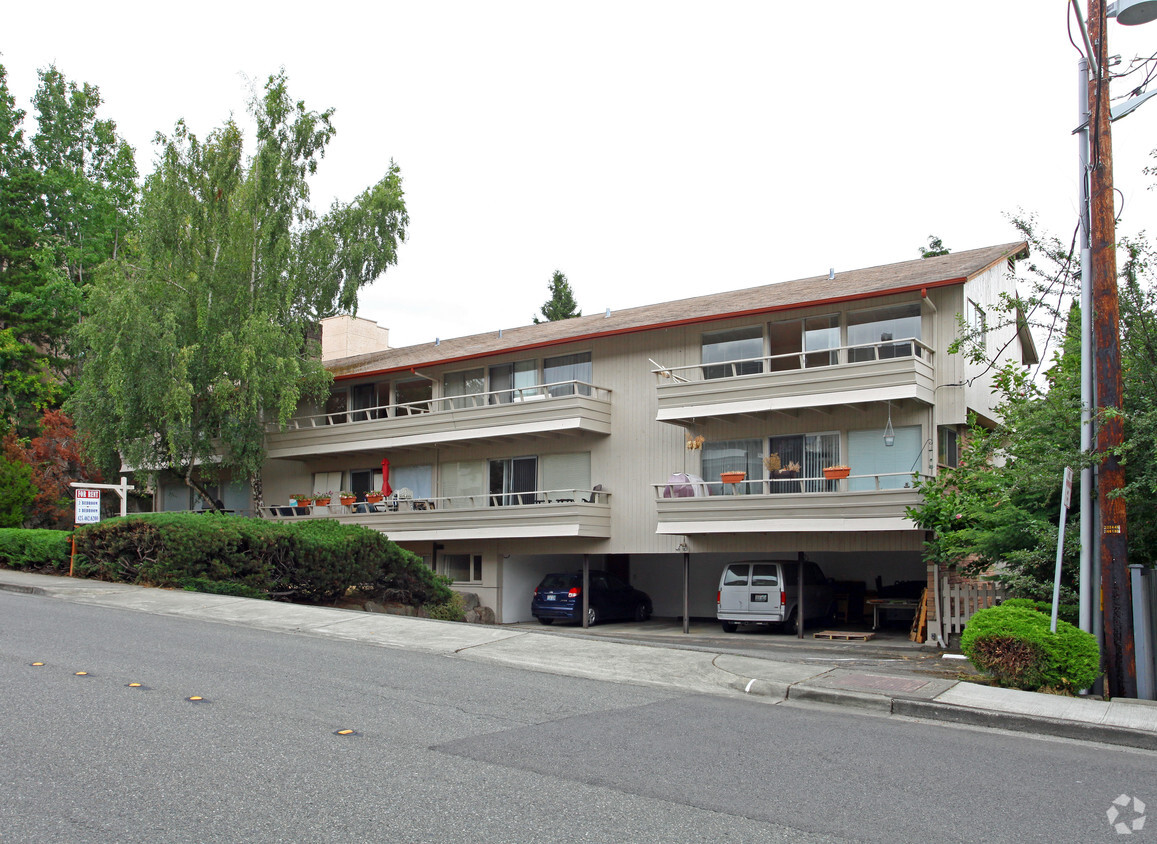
column 386, row 476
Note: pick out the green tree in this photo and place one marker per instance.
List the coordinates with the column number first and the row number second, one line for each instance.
column 561, row 304
column 202, row 338
column 934, row 248
column 16, row 491
column 67, row 198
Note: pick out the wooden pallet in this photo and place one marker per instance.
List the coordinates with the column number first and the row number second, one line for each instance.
column 846, row 635
column 920, row 622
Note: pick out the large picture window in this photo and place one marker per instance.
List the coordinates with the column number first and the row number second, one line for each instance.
column 570, row 374
column 518, row 381
column 413, row 396
column 811, row 452
column 883, row 466
column 721, row 456
column 736, row 351
column 464, row 388
column 880, row 333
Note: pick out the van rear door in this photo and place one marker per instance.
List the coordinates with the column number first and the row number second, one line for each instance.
column 733, row 591
column 766, row 592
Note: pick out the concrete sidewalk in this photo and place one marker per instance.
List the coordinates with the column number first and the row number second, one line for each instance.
column 1130, row 723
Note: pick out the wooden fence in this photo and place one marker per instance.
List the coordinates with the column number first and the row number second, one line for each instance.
column 961, row 600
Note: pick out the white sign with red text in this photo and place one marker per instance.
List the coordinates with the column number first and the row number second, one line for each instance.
column 87, row 506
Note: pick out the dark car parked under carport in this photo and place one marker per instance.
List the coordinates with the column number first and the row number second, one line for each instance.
column 559, row 598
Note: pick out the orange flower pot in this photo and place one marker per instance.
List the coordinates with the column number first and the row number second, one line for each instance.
column 732, row 477
column 834, row 474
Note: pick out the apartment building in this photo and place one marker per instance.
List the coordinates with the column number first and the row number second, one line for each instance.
column 628, row 438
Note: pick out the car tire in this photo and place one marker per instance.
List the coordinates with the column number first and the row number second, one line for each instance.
column 546, row 621
column 791, row 626
column 730, row 626
column 592, row 617
column 642, row 613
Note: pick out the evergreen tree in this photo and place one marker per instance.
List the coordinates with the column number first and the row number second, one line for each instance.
column 561, row 304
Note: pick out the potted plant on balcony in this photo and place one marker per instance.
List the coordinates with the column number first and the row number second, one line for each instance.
column 374, row 496
column 321, row 499
column 301, row 500
column 833, row 473
column 346, row 497
column 732, row 477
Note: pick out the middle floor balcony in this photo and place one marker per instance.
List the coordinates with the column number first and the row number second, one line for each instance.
column 563, row 408
column 856, row 503
column 560, row 513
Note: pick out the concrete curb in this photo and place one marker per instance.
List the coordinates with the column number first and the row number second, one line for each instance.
column 1038, row 724
column 840, row 697
column 23, row 590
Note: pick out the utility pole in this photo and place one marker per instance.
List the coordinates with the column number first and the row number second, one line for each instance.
column 1116, row 597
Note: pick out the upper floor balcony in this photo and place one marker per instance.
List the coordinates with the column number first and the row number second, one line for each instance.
column 564, row 407
column 539, row 514
column 856, row 503
column 844, row 375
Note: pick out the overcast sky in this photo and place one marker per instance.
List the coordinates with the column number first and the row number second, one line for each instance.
column 649, row 150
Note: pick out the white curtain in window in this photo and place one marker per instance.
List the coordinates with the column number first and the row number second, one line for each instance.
column 893, row 465
column 417, row 479
column 463, row 479
column 566, row 475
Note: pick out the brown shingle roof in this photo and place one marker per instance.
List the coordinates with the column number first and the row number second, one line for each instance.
column 955, row 268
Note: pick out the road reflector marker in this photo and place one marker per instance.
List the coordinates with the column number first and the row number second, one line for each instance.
column 81, row 673
column 196, row 699
column 345, row 732
column 36, row 664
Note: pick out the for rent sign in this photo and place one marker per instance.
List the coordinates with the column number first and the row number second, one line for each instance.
column 87, row 506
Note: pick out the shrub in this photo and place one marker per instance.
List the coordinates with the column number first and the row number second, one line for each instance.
column 1015, row 646
column 314, row 560
column 38, row 550
column 1065, row 612
column 452, row 609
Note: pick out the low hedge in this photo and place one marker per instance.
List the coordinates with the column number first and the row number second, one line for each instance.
column 1065, row 612
column 37, row 550
column 314, row 560
column 1016, row 647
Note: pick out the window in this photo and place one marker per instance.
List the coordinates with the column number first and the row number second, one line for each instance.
column 514, row 480
column 566, row 475
column 362, row 398
column 764, row 575
column 516, row 381
column 413, row 396
column 335, row 408
column 721, row 456
column 326, row 482
column 871, row 333
column 815, row 336
column 977, row 323
column 812, row 452
column 463, row 483
column 737, row 351
column 462, row 568
column 736, row 575
column 887, row 466
column 469, row 385
column 417, row 479
column 569, row 374
column 948, row 450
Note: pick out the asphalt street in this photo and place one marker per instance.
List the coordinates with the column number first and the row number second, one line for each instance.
column 236, row 734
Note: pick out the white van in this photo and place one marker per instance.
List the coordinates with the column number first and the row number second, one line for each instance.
column 767, row 592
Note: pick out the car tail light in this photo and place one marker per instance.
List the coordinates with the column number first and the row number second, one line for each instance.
column 574, row 592
column 718, row 596
column 783, row 598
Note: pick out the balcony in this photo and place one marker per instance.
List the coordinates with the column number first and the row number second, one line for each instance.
column 847, row 375
column 569, row 407
column 530, row 515
column 858, row 503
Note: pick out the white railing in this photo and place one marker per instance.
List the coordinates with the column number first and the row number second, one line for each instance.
column 794, row 361
column 780, row 486
column 447, row 404
column 479, row 501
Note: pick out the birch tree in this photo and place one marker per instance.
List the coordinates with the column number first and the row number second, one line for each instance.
column 202, row 337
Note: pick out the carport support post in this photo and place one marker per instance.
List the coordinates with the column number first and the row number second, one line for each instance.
column 586, row 590
column 686, row 587
column 800, row 613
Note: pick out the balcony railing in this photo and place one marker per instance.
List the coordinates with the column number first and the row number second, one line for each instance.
column 794, row 361
column 448, row 404
column 581, row 513
column 872, row 502
column 844, row 376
